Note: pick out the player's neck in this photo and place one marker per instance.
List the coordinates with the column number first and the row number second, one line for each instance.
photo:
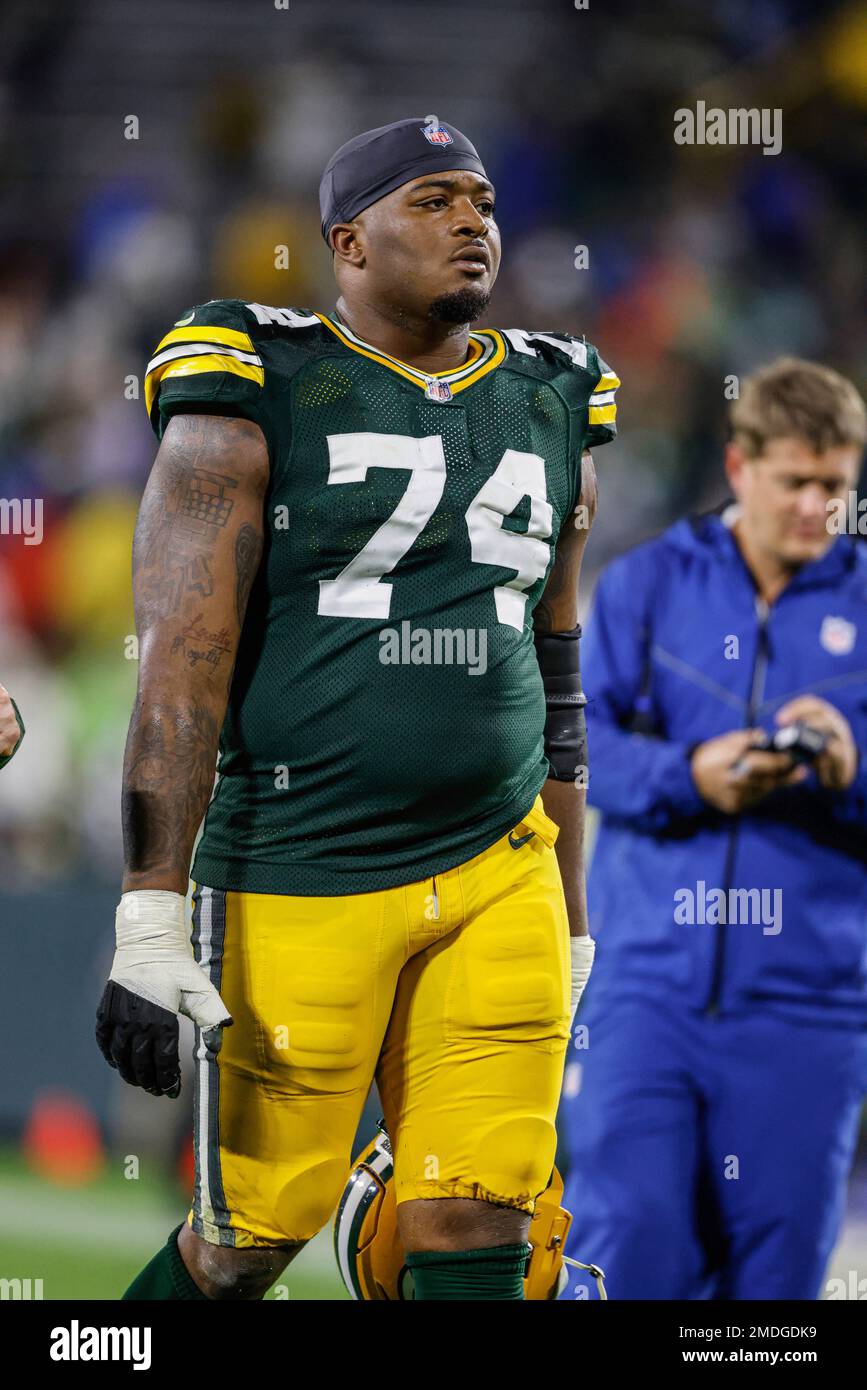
column 426, row 345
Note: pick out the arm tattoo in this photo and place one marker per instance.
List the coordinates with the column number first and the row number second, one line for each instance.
column 204, row 502
column 171, row 554
column 195, row 556
column 248, row 552
column 168, row 777
column 184, row 512
column 196, row 642
column 544, row 618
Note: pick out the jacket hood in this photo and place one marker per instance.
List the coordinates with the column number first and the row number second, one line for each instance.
column 708, row 536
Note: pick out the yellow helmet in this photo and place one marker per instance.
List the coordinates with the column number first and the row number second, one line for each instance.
column 370, row 1256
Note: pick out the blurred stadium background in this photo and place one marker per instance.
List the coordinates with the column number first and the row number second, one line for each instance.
column 703, row 262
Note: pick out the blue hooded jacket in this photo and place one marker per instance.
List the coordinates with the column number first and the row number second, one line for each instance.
column 678, row 649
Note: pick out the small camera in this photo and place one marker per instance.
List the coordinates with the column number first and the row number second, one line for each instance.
column 801, row 741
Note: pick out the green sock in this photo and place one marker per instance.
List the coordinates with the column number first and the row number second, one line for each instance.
column 166, row 1276
column 496, row 1272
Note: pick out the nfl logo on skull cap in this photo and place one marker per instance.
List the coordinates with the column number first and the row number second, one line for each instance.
column 837, row 635
column 438, row 390
column 436, row 135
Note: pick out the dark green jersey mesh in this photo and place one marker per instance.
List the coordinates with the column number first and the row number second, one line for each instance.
column 386, row 726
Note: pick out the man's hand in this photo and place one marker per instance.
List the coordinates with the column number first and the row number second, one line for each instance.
column 837, row 766
column 10, row 729
column 760, row 772
column 153, row 979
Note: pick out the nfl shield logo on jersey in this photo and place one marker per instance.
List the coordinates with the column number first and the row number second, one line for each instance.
column 438, row 390
column 837, row 635
column 436, row 135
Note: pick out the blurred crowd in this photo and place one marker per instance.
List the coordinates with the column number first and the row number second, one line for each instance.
column 702, row 263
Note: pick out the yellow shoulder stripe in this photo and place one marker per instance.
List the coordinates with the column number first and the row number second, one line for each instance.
column 608, row 381
column 192, row 366
column 602, row 414
column 229, row 337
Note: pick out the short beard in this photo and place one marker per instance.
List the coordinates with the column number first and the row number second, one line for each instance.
column 461, row 306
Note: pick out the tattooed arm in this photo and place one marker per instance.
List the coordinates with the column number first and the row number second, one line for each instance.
column 557, row 611
column 197, row 548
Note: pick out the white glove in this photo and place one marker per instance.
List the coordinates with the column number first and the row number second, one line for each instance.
column 583, row 950
column 153, row 979
column 154, row 957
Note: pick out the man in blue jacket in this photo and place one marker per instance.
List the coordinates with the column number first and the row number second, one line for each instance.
column 712, row 1102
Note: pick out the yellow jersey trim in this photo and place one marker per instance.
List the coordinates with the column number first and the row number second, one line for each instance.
column 609, row 381
column 192, row 366
column 229, row 337
column 419, row 378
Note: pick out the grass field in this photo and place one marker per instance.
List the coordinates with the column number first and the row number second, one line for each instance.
column 90, row 1242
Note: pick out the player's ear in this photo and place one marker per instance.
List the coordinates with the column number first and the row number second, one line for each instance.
column 347, row 243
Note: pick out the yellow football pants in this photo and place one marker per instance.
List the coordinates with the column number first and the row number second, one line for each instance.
column 453, row 992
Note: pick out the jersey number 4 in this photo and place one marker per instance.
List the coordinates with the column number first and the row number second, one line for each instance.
column 360, row 591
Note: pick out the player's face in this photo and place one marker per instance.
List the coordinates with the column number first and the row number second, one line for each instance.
column 433, row 237
column 784, row 494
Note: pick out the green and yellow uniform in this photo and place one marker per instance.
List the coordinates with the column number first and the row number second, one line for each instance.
column 377, row 890
column 400, row 529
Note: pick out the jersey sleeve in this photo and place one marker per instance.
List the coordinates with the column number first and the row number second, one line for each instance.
column 207, row 363
column 602, row 406
column 592, row 382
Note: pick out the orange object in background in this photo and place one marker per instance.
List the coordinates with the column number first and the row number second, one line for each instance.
column 186, row 1168
column 62, row 1141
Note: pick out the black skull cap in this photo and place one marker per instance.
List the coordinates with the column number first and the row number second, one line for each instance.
column 371, row 165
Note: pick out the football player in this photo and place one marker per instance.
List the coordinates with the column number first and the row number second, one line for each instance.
column 355, row 571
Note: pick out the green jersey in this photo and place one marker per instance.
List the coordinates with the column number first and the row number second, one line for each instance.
column 386, row 712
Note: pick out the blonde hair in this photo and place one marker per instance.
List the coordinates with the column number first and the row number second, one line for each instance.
column 792, row 398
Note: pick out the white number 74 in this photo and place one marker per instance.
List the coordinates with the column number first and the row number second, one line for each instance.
column 359, row 590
